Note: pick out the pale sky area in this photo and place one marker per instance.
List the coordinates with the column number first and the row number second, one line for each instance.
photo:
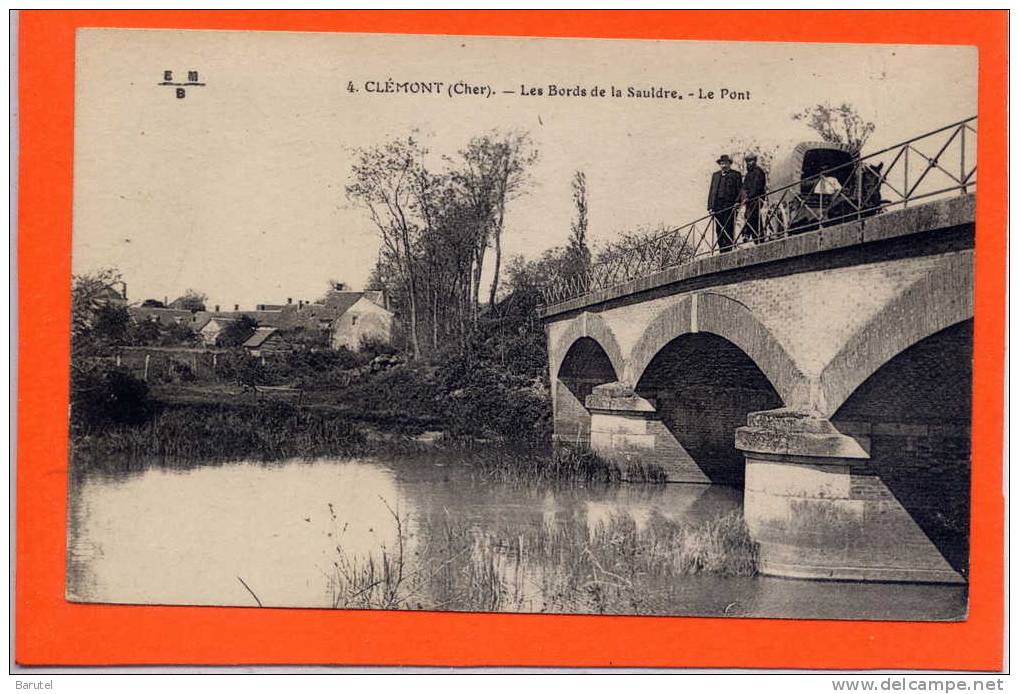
column 237, row 190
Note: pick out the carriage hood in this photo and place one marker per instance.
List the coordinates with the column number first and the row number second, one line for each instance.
column 807, row 159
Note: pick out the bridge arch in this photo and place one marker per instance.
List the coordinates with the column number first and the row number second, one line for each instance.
column 935, row 302
column 904, row 381
column 585, row 355
column 592, row 326
column 710, row 312
column 705, row 363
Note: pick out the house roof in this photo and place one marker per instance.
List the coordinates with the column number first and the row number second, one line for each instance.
column 340, row 302
column 260, row 336
column 163, row 315
column 217, row 320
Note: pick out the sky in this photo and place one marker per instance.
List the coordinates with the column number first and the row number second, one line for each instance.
column 237, row 190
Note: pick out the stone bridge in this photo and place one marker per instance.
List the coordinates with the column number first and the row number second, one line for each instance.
column 828, row 373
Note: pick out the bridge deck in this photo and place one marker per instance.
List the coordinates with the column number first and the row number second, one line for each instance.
column 897, row 224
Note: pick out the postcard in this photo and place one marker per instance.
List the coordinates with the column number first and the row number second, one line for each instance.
column 482, row 324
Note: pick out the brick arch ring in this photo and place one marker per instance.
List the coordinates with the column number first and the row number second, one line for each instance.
column 936, row 301
column 709, row 312
column 593, row 326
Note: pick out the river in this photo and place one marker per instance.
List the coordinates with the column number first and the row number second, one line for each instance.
column 429, row 534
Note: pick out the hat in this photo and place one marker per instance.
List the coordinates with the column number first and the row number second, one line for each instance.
column 724, row 159
column 750, row 156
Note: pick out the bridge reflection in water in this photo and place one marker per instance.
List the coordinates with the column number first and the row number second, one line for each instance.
column 827, row 370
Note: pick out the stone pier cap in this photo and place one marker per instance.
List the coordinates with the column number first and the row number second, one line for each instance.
column 620, row 398
column 788, row 432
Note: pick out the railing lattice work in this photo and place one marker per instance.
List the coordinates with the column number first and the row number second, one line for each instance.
column 936, row 164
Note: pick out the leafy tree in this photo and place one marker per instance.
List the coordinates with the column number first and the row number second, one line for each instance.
column 495, row 171
column 578, row 255
column 192, row 300
column 175, row 335
column 840, row 124
column 111, row 324
column 87, row 300
column 145, row 332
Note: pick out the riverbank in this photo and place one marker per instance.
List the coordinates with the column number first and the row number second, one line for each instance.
column 190, row 429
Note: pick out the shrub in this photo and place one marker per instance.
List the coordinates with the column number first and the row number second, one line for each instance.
column 241, row 367
column 103, row 395
column 372, row 346
column 237, row 331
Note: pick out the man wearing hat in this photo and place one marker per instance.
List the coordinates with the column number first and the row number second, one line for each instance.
column 723, row 197
column 754, row 187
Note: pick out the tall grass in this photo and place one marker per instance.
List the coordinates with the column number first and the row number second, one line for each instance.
column 564, row 464
column 191, row 434
column 615, row 566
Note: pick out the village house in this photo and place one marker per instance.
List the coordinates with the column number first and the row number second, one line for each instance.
column 113, row 294
column 342, row 318
column 166, row 316
column 265, row 342
column 359, row 316
column 212, row 331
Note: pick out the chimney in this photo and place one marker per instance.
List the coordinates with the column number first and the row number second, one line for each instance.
column 237, row 307
column 217, row 308
column 166, row 301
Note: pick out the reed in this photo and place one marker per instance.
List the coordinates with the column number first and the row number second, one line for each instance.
column 614, row 566
column 189, row 435
column 565, row 464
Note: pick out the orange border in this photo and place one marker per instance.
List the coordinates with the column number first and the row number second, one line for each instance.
column 52, row 631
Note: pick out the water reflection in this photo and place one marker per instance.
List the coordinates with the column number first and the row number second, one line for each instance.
column 324, row 533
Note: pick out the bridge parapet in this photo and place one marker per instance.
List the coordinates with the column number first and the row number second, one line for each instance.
column 947, row 167
column 905, row 227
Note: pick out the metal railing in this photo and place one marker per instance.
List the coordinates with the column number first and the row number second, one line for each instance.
column 851, row 191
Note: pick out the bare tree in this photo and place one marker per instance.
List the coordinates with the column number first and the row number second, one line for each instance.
column 637, row 240
column 437, row 225
column 840, row 124
column 384, row 181
column 739, row 147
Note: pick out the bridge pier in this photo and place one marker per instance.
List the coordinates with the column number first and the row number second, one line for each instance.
column 626, row 428
column 818, row 510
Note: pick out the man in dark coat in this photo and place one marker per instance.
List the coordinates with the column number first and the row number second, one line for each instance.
column 723, row 197
column 755, row 184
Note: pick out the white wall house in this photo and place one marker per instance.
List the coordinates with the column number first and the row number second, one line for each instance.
column 210, row 332
column 364, row 319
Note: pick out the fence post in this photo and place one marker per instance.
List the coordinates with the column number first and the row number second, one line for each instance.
column 905, row 179
column 859, row 189
column 145, row 375
column 962, row 157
